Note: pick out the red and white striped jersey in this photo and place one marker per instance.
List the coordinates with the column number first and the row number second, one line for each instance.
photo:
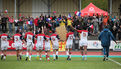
column 83, row 34
column 17, row 37
column 29, row 36
column 54, row 39
column 70, row 36
column 4, row 38
column 40, row 38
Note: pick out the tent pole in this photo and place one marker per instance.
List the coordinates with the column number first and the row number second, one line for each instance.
column 79, row 5
column 110, row 7
column 15, row 9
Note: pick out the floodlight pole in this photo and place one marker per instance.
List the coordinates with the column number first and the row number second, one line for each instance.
column 110, row 7
column 79, row 5
column 15, row 9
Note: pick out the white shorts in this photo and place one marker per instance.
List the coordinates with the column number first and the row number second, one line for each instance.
column 47, row 48
column 4, row 46
column 83, row 43
column 18, row 46
column 29, row 46
column 55, row 47
column 68, row 45
column 39, row 46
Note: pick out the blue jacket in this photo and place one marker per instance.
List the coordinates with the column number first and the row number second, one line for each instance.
column 105, row 37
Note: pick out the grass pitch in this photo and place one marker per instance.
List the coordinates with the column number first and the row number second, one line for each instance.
column 62, row 63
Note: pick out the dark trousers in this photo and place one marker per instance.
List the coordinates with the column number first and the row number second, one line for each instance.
column 106, row 51
column 4, row 28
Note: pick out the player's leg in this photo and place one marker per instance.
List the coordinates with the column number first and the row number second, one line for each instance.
column 2, row 54
column 20, row 54
column 81, row 50
column 5, row 51
column 107, row 52
column 48, row 55
column 30, row 54
column 56, row 54
column 40, row 52
column 67, row 53
column 5, row 54
column 37, row 50
column 17, row 54
column 70, row 53
column 85, row 52
column 27, row 53
column 104, row 53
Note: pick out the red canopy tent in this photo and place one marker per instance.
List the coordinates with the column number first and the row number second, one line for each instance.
column 92, row 9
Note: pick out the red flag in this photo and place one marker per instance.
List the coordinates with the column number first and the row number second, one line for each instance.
column 6, row 11
column 91, row 26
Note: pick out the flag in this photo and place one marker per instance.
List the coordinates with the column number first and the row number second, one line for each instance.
column 27, row 22
column 20, row 15
column 48, row 19
column 77, row 13
column 54, row 11
column 91, row 26
column 69, row 15
column 6, row 11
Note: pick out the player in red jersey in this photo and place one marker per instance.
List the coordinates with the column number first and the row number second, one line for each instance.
column 39, row 46
column 29, row 37
column 47, row 47
column 69, row 42
column 4, row 45
column 83, row 43
column 17, row 38
column 55, row 43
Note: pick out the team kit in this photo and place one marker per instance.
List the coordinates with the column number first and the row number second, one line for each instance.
column 41, row 39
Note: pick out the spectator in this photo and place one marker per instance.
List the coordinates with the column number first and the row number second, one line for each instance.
column 0, row 22
column 105, row 38
column 35, row 22
column 4, row 23
column 119, row 32
column 114, row 30
column 10, row 23
column 95, row 24
column 16, row 24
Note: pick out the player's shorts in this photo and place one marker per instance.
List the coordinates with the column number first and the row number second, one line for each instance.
column 29, row 46
column 39, row 46
column 68, row 45
column 83, row 43
column 18, row 46
column 47, row 48
column 55, row 47
column 4, row 46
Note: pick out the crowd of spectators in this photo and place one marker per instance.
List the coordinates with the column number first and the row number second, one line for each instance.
column 94, row 24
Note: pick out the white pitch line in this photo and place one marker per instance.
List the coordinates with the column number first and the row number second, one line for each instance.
column 115, row 62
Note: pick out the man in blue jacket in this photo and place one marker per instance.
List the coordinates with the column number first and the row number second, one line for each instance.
column 105, row 37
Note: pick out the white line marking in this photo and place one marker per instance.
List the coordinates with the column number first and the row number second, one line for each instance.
column 115, row 62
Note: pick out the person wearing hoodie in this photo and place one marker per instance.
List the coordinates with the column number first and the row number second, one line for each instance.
column 105, row 37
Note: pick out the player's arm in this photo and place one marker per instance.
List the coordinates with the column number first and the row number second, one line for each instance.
column 113, row 38
column 51, row 40
column 99, row 37
column 33, row 38
column 58, row 37
column 25, row 36
column 45, row 38
column 67, row 36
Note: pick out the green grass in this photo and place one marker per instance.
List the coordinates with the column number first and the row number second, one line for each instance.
column 62, row 63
